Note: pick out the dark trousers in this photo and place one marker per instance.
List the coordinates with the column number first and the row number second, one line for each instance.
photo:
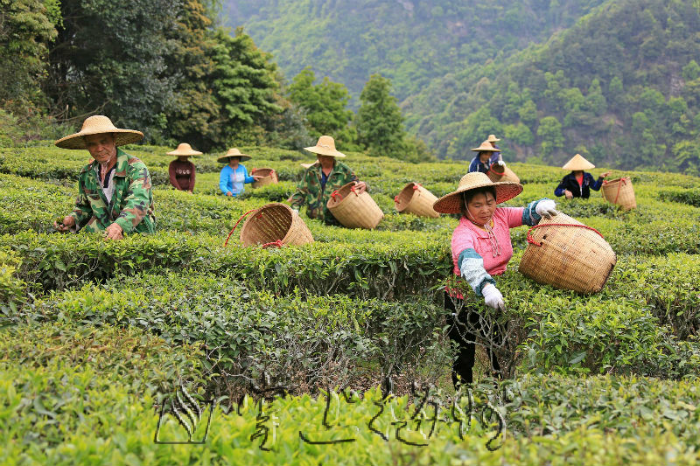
column 462, row 330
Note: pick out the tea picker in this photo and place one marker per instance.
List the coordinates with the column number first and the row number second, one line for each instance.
column 481, row 249
column 322, row 179
column 579, row 183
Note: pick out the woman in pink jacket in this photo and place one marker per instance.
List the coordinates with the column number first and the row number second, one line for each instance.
column 481, row 249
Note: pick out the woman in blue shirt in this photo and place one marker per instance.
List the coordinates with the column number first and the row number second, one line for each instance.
column 234, row 175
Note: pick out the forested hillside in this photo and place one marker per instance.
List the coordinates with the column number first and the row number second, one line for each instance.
column 409, row 41
column 616, row 81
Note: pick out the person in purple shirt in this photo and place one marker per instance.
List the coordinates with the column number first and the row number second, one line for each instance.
column 234, row 176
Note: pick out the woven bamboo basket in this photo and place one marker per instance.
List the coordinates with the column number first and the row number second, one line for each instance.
column 567, row 255
column 620, row 192
column 498, row 173
column 354, row 210
column 269, row 176
column 274, row 224
column 415, row 199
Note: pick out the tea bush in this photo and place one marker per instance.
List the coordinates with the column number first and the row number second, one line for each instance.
column 125, row 322
column 310, row 343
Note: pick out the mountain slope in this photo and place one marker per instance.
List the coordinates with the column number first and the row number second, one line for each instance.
column 408, row 41
column 622, row 83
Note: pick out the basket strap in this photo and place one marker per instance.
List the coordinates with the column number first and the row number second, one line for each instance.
column 335, row 194
column 623, row 181
column 352, row 188
column 277, row 243
column 531, row 240
column 396, row 199
column 234, row 227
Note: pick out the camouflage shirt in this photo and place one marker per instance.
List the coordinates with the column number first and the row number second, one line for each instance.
column 309, row 190
column 131, row 206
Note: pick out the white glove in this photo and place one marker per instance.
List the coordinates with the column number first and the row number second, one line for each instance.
column 501, row 163
column 492, row 297
column 546, row 208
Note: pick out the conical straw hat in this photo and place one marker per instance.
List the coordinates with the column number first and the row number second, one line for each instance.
column 184, row 150
column 451, row 203
column 578, row 163
column 233, row 153
column 325, row 146
column 99, row 124
column 492, row 138
column 486, row 147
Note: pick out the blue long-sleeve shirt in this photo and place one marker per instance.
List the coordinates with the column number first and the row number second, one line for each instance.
column 582, row 190
column 477, row 166
column 232, row 181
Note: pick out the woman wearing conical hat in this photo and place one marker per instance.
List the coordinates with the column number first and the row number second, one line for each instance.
column 181, row 170
column 234, row 175
column 487, row 154
column 579, row 183
column 481, row 249
column 321, row 179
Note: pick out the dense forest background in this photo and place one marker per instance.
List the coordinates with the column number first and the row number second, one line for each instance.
column 616, row 81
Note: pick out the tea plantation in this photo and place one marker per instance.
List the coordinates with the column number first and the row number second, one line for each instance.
column 334, row 352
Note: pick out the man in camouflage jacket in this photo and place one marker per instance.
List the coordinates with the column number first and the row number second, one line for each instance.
column 114, row 189
column 131, row 206
column 312, row 191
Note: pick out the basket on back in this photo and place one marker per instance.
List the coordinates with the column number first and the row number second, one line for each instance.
column 415, row 199
column 566, row 254
column 275, row 224
column 620, row 192
column 354, row 210
column 269, row 176
column 498, row 173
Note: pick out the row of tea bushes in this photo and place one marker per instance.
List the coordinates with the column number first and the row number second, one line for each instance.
column 684, row 196
column 390, row 270
column 378, row 263
column 89, row 396
column 304, row 343
column 654, row 228
column 628, row 328
column 68, row 385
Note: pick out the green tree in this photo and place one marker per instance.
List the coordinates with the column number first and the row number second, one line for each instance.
column 691, row 71
column 615, row 91
column 595, row 100
column 549, row 133
column 110, row 57
column 686, row 157
column 528, row 113
column 245, row 84
column 25, row 31
column 379, row 121
column 325, row 105
column 519, row 134
column 195, row 117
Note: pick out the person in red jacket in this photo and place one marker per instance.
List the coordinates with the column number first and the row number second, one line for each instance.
column 182, row 171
